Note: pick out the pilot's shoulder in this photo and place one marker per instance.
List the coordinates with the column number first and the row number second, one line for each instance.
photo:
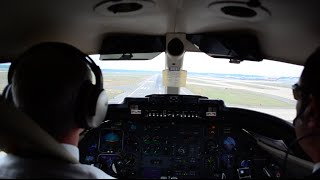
column 12, row 166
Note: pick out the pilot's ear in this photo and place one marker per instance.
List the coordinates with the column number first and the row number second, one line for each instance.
column 314, row 112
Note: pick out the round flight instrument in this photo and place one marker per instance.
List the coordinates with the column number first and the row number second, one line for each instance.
column 229, row 143
column 111, row 137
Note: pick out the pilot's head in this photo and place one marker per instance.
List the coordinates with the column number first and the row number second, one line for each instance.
column 46, row 83
column 307, row 94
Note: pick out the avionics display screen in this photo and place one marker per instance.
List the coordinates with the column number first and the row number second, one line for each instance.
column 111, row 141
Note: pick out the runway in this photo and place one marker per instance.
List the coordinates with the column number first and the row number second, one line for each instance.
column 152, row 85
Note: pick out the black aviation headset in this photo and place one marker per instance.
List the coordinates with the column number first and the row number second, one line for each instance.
column 92, row 100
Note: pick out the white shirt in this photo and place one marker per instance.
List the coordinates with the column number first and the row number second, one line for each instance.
column 316, row 166
column 12, row 166
column 73, row 150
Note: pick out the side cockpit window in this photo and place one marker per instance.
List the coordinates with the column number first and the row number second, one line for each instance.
column 4, row 68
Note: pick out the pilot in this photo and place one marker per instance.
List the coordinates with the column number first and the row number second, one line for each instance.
column 307, row 121
column 47, row 82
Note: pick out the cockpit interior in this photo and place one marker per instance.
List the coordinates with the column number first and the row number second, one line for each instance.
column 196, row 89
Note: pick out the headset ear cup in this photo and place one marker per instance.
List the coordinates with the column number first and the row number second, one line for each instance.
column 83, row 103
column 92, row 105
column 99, row 108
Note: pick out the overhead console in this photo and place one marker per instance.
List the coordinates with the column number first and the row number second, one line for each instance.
column 174, row 136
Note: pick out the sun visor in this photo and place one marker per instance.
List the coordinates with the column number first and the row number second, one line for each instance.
column 132, row 47
column 235, row 47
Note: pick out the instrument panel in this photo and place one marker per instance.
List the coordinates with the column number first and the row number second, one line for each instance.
column 173, row 137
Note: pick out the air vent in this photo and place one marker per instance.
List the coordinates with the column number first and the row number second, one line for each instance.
column 247, row 11
column 239, row 11
column 123, row 7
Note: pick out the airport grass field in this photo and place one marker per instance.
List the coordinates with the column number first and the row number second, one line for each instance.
column 212, row 82
column 114, row 81
column 3, row 80
column 238, row 97
column 123, row 79
column 277, row 84
column 113, row 92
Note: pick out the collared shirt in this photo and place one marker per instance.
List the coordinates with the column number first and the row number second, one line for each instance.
column 316, row 166
column 73, row 150
column 12, row 166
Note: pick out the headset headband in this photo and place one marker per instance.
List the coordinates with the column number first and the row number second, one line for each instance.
column 89, row 61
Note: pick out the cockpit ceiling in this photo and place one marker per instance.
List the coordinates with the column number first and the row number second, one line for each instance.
column 287, row 30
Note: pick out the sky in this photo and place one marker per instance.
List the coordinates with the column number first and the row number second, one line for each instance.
column 200, row 62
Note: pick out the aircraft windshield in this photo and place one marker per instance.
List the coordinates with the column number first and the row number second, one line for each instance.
column 262, row 86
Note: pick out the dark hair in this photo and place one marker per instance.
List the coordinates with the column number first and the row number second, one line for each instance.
column 46, row 83
column 310, row 77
